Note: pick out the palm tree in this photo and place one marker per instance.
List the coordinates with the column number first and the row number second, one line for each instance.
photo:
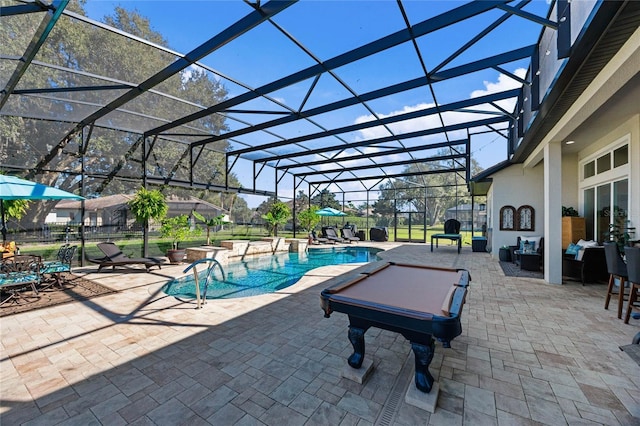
column 278, row 214
column 210, row 222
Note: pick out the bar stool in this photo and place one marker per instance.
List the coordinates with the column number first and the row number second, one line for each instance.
column 617, row 272
column 633, row 271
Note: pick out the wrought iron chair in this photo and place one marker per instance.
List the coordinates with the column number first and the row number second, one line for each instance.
column 18, row 273
column 54, row 268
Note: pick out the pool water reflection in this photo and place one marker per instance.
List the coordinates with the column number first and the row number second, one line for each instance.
column 266, row 274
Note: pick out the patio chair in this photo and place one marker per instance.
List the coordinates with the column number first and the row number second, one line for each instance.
column 347, row 234
column 318, row 240
column 114, row 257
column 632, row 255
column 535, row 257
column 617, row 275
column 54, row 268
column 16, row 274
column 332, row 235
column 451, row 232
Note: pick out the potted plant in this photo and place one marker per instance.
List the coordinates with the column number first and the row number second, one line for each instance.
column 177, row 228
column 211, row 222
column 147, row 205
column 569, row 211
column 621, row 233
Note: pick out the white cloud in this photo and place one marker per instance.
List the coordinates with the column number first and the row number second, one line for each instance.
column 192, row 69
column 503, row 83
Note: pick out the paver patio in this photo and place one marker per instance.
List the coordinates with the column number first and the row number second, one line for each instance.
column 530, row 353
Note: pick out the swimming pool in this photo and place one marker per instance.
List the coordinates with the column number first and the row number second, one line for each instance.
column 266, row 274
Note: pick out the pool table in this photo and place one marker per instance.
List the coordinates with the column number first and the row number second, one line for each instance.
column 419, row 302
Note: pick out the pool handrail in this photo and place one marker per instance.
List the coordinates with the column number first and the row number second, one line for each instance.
column 210, row 269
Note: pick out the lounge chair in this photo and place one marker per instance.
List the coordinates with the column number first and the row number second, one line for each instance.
column 451, row 232
column 317, row 240
column 347, row 234
column 114, row 257
column 332, row 235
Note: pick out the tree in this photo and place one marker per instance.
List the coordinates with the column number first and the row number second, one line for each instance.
column 326, row 198
column 146, row 205
column 110, row 154
column 278, row 214
column 240, row 212
column 177, row 228
column 309, row 219
column 301, row 202
column 432, row 193
column 13, row 209
column 210, row 222
column 265, row 206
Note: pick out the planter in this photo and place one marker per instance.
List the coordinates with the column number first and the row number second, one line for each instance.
column 176, row 256
column 505, row 254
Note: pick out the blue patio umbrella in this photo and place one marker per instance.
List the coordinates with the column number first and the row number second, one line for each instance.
column 329, row 211
column 13, row 188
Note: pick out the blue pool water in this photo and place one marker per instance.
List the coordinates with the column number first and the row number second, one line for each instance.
column 266, row 274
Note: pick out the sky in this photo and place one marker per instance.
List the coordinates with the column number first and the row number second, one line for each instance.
column 328, row 28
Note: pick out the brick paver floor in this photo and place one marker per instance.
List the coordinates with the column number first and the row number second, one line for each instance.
column 530, row 353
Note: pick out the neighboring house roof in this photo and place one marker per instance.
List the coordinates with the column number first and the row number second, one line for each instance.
column 191, row 203
column 120, row 200
column 101, row 203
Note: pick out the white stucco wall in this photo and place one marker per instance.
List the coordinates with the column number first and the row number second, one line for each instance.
column 524, row 184
column 630, row 128
column 570, row 196
column 516, row 186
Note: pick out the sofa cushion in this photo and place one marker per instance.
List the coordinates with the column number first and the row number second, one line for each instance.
column 583, row 245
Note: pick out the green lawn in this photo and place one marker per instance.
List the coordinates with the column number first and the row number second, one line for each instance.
column 159, row 246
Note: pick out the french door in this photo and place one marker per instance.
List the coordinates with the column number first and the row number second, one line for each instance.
column 605, row 204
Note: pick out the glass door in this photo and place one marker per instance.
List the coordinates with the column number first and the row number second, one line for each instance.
column 598, row 210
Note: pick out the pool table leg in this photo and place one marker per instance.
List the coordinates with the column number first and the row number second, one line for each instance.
column 356, row 337
column 423, row 356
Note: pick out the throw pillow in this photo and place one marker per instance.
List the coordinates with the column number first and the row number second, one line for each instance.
column 573, row 250
column 585, row 243
column 534, row 241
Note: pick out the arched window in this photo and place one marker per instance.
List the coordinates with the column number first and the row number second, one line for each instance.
column 526, row 218
column 507, row 218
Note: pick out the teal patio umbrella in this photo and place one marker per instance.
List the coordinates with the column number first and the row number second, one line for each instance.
column 13, row 188
column 329, row 211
